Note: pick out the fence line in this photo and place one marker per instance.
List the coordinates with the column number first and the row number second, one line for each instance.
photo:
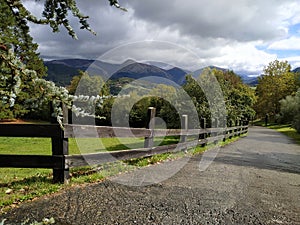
column 60, row 160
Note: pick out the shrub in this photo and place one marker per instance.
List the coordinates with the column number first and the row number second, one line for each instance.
column 290, row 110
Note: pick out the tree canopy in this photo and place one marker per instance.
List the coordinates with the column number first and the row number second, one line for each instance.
column 290, row 110
column 55, row 14
column 277, row 82
column 14, row 35
column 22, row 88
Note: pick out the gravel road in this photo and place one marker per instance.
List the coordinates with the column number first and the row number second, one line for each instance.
column 255, row 180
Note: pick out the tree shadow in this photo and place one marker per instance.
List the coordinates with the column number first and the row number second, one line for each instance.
column 29, row 181
column 283, row 162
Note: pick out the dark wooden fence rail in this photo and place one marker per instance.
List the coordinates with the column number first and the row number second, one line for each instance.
column 60, row 161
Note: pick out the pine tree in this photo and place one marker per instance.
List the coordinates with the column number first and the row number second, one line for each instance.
column 14, row 34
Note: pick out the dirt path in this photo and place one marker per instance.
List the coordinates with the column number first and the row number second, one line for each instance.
column 253, row 181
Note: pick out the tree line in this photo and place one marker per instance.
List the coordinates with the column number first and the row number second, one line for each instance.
column 169, row 101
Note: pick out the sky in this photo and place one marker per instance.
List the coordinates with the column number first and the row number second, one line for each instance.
column 242, row 35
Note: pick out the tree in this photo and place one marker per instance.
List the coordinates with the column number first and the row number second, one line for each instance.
column 198, row 97
column 221, row 87
column 290, row 110
column 55, row 14
column 275, row 84
column 88, row 85
column 14, row 34
column 239, row 97
column 21, row 86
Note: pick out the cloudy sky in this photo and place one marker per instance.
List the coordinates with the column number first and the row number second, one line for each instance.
column 243, row 35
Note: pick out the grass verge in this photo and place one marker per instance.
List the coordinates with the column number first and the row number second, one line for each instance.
column 288, row 131
column 19, row 185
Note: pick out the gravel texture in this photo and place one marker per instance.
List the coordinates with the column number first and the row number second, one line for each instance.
column 255, row 180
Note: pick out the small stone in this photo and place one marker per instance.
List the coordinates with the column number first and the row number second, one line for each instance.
column 22, row 190
column 8, row 191
column 26, row 188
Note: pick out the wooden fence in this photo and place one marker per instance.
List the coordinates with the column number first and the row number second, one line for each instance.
column 60, row 160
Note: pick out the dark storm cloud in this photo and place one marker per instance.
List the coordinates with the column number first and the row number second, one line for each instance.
column 107, row 22
column 241, row 20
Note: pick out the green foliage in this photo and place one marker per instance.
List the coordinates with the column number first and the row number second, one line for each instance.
column 170, row 101
column 290, row 110
column 12, row 83
column 55, row 14
column 84, row 84
column 276, row 83
column 134, row 106
column 105, row 111
column 21, row 86
column 14, row 35
column 198, row 97
column 239, row 98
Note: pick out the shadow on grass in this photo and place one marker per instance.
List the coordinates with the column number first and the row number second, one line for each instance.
column 282, row 162
column 29, row 181
column 287, row 130
column 166, row 141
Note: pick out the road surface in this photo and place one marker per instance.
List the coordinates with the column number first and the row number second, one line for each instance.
column 255, row 180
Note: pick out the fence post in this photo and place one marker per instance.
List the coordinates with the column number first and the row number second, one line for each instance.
column 230, row 132
column 149, row 141
column 240, row 128
column 203, row 126
column 236, row 130
column 60, row 147
column 184, row 127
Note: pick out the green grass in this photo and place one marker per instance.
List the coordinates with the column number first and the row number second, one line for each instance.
column 28, row 184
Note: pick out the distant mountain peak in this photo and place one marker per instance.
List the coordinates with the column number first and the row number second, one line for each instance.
column 175, row 69
column 296, row 70
column 142, row 70
column 128, row 62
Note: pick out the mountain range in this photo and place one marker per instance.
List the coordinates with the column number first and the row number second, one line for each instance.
column 62, row 71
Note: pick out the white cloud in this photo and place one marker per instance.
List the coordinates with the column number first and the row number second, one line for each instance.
column 292, row 43
column 294, row 61
column 291, row 11
column 241, row 56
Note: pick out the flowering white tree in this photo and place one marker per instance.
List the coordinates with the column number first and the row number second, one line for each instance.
column 50, row 92
column 15, row 74
column 55, row 14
